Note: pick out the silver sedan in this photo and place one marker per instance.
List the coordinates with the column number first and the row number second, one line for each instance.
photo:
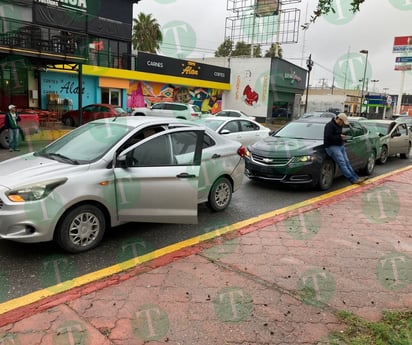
column 112, row 171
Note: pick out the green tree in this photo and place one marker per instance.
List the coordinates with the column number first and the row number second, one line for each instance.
column 241, row 49
column 146, row 34
column 275, row 50
column 326, row 6
column 225, row 49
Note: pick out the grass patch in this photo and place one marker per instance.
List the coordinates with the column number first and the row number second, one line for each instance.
column 395, row 328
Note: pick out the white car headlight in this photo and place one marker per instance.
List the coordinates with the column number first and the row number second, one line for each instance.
column 35, row 191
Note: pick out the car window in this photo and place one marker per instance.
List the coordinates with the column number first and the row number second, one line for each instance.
column 87, row 143
column 356, row 129
column 178, row 107
column 247, row 126
column 158, row 106
column 155, row 152
column 403, row 130
column 89, row 108
column 231, row 126
column 208, row 141
column 196, row 108
column 103, row 109
column 214, row 124
column 166, row 150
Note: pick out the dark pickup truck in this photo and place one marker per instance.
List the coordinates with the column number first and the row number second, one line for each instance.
column 29, row 124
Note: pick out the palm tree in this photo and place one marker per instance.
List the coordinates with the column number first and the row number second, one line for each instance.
column 146, row 35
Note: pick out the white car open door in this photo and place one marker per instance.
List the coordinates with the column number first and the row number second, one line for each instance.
column 157, row 178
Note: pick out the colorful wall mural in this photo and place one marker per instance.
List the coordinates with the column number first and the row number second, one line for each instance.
column 144, row 94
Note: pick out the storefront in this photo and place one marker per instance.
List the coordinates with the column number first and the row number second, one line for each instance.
column 156, row 79
column 265, row 87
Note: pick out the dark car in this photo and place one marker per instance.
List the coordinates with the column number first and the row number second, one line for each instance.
column 295, row 154
column 92, row 112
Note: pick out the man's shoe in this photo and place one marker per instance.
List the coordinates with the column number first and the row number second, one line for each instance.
column 361, row 180
column 11, row 150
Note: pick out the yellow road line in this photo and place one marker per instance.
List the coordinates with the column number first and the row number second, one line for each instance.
column 123, row 266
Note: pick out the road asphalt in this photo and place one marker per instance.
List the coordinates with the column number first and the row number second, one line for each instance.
column 279, row 278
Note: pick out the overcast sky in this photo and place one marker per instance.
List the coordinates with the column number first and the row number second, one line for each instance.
column 194, row 28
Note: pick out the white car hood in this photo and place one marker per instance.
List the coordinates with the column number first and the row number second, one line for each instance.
column 28, row 169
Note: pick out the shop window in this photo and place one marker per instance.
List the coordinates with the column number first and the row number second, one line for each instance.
column 111, row 96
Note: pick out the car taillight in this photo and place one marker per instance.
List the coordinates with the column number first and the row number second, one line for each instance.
column 241, row 151
column 194, row 114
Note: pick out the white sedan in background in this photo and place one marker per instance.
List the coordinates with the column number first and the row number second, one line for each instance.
column 240, row 129
column 234, row 113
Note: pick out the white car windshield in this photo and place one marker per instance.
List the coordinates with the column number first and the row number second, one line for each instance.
column 86, row 143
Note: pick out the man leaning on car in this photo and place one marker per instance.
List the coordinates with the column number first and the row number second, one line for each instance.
column 334, row 147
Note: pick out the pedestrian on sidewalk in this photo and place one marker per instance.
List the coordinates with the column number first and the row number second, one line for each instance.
column 11, row 123
column 333, row 141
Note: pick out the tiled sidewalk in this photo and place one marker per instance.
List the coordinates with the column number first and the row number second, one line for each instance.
column 280, row 281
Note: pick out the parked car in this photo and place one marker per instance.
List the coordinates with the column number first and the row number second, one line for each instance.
column 108, row 172
column 240, row 129
column 295, row 154
column 92, row 112
column 405, row 119
column 234, row 113
column 169, row 109
column 327, row 114
column 394, row 138
column 29, row 124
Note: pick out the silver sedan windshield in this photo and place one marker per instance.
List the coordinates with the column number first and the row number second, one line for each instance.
column 86, row 143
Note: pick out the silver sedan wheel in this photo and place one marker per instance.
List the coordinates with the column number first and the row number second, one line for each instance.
column 220, row 194
column 81, row 229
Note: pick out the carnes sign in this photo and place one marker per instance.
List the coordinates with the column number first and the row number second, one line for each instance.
column 78, row 5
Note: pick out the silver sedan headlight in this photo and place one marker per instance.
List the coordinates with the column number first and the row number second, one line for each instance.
column 35, row 191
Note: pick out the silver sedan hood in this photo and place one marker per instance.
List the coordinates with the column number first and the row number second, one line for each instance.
column 27, row 168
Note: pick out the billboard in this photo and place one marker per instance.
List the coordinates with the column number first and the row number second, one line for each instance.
column 266, row 7
column 402, row 44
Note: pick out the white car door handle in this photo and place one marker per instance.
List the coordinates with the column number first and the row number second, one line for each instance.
column 185, row 175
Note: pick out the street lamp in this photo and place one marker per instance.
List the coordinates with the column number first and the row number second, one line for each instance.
column 363, row 51
column 309, row 65
column 374, row 81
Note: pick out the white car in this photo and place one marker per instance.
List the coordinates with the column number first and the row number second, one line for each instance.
column 170, row 109
column 112, row 171
column 241, row 129
column 234, row 113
